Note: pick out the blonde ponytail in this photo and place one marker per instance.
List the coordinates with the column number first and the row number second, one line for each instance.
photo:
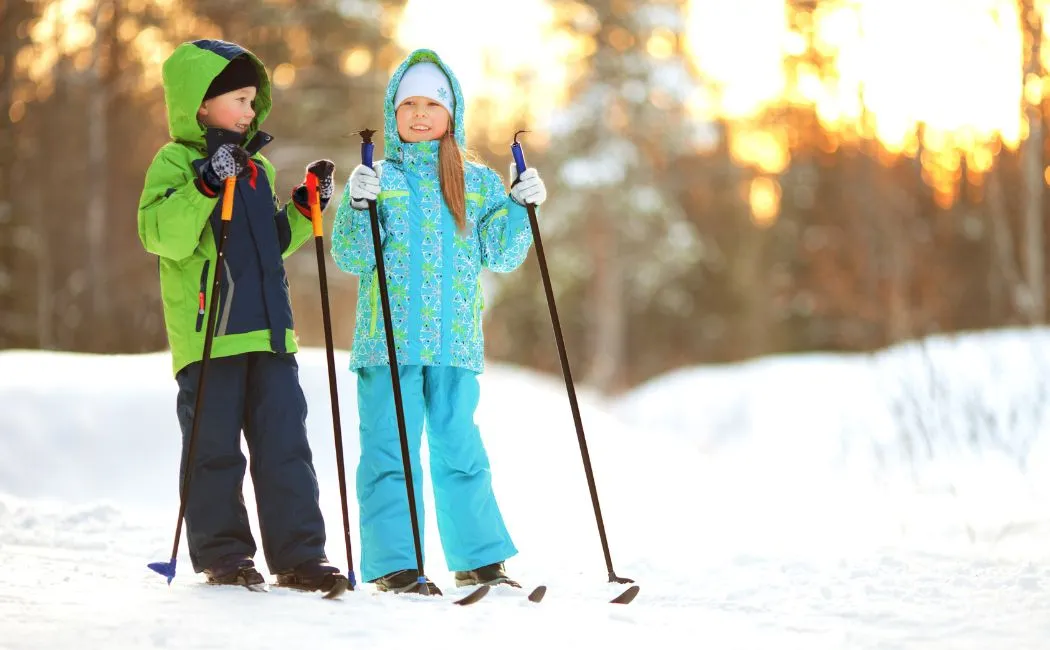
column 453, row 179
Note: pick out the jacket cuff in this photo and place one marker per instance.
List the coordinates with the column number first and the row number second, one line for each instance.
column 200, row 169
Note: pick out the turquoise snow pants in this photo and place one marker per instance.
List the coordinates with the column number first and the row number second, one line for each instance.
column 469, row 521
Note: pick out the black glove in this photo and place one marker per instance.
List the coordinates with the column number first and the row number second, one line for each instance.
column 323, row 170
column 228, row 160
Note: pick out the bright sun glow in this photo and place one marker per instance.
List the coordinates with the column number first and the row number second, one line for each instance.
column 738, row 46
column 510, row 62
column 63, row 27
column 948, row 69
column 944, row 78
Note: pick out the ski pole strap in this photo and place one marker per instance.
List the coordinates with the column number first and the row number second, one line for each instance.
column 315, row 204
column 227, row 198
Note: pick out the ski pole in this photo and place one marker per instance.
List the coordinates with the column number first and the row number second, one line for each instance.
column 315, row 216
column 367, row 147
column 519, row 161
column 167, row 569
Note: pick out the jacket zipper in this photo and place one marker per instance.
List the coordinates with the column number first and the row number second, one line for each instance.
column 202, row 294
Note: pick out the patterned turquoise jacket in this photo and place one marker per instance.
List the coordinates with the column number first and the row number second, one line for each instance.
column 433, row 270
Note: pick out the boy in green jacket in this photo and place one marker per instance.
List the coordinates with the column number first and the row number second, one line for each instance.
column 220, row 89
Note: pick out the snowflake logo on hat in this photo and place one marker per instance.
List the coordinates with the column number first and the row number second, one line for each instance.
column 442, row 94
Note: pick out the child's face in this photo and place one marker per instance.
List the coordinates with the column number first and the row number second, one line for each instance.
column 232, row 111
column 420, row 119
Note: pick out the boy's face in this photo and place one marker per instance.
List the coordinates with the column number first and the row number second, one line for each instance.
column 232, row 111
column 420, row 119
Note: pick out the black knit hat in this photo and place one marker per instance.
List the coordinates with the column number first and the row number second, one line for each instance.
column 239, row 73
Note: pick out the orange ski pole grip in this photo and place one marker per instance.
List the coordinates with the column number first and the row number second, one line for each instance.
column 227, row 198
column 315, row 204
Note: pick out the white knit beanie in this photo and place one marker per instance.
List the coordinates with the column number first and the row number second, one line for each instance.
column 425, row 79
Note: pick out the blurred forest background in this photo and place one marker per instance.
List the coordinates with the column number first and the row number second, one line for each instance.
column 726, row 179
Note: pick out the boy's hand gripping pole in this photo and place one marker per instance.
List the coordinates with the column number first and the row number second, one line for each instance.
column 167, row 569
column 367, row 148
column 315, row 216
column 519, row 161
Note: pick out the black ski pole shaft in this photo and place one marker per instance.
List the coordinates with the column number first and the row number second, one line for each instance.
column 367, row 148
column 519, row 160
column 326, row 316
column 167, row 569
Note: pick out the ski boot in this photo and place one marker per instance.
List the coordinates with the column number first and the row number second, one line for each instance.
column 490, row 574
column 235, row 570
column 314, row 575
column 405, row 581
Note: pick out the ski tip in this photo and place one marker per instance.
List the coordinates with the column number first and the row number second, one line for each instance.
column 166, row 569
column 537, row 594
column 627, row 596
column 338, row 589
column 473, row 596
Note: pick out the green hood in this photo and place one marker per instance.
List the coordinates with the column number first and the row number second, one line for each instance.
column 391, row 140
column 187, row 74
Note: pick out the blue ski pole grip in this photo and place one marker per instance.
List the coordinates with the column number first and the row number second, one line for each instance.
column 366, row 147
column 366, row 153
column 519, row 155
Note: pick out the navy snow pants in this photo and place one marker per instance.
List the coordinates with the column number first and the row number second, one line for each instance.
column 257, row 393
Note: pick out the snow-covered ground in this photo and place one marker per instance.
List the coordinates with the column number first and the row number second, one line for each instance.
column 895, row 500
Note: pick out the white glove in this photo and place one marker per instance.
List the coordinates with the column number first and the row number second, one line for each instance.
column 529, row 187
column 364, row 186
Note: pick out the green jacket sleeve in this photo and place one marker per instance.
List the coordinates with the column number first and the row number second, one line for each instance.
column 172, row 211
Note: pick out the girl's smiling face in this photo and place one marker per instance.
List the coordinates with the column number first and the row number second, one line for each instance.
column 420, row 119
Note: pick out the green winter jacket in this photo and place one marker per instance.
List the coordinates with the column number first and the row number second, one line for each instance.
column 178, row 221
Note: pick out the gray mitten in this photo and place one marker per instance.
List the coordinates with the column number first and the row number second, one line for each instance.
column 228, row 160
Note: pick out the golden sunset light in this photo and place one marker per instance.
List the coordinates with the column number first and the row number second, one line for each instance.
column 961, row 82
column 959, row 76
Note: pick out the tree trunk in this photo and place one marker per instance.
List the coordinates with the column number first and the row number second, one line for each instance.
column 903, row 212
column 98, row 167
column 748, row 265
column 1035, row 303
column 606, row 301
column 9, row 46
column 46, row 207
column 608, row 316
column 1004, row 278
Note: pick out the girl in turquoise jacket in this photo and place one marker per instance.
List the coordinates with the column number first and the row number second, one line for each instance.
column 441, row 220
